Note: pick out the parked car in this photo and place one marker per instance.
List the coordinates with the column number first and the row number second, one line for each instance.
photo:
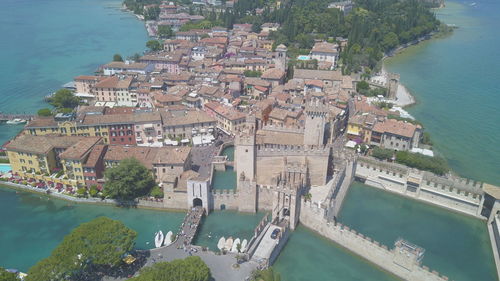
column 275, row 233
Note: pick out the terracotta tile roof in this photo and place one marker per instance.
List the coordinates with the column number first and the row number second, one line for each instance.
column 114, row 82
column 148, row 156
column 124, row 65
column 395, row 127
column 317, row 74
column 41, row 144
column 97, row 152
column 42, row 122
column 325, row 47
column 273, row 73
column 78, row 150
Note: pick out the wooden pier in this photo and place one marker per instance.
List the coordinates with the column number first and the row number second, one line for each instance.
column 7, row 117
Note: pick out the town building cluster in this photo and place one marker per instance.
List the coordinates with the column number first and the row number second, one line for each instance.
column 284, row 122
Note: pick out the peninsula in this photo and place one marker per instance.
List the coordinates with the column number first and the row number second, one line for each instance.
column 294, row 88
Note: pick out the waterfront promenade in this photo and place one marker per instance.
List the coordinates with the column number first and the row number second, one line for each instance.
column 224, row 267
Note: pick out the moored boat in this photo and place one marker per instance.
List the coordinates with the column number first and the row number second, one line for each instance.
column 16, row 121
column 222, row 243
column 168, row 238
column 159, row 239
column 229, row 243
column 243, row 246
column 236, row 242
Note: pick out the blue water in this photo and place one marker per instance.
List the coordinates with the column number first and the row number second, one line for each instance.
column 5, row 167
column 32, row 225
column 45, row 43
column 455, row 81
column 455, row 245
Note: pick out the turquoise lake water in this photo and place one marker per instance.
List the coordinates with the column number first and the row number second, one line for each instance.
column 225, row 179
column 455, row 245
column 455, row 82
column 45, row 43
column 32, row 225
column 448, row 76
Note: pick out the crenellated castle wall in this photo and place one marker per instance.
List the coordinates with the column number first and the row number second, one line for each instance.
column 462, row 195
column 314, row 217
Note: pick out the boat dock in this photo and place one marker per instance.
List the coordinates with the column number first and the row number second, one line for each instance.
column 227, row 266
column 8, row 117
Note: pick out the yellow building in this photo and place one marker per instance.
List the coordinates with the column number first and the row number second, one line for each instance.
column 73, row 158
column 360, row 126
column 46, row 126
column 32, row 156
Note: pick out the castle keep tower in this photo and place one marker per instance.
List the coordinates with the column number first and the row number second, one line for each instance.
column 245, row 166
column 316, row 116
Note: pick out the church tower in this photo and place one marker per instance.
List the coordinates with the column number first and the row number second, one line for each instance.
column 280, row 60
column 316, row 118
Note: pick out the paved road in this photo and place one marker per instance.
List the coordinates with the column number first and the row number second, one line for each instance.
column 222, row 266
column 201, row 156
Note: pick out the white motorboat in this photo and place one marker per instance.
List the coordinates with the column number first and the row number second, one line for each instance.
column 159, row 239
column 243, row 246
column 16, row 121
column 168, row 238
column 236, row 242
column 229, row 243
column 222, row 243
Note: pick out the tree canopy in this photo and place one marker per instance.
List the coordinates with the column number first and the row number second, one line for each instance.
column 44, row 112
column 154, row 45
column 64, row 98
column 164, row 31
column 100, row 244
column 266, row 275
column 129, row 180
column 7, row 276
column 117, row 57
column 189, row 269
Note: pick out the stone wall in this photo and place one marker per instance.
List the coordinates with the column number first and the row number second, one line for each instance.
column 454, row 193
column 225, row 199
column 265, row 195
column 314, row 217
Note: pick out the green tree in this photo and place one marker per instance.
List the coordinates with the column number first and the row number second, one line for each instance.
column 362, row 86
column 156, row 192
column 117, row 57
column 93, row 190
column 266, row 275
column 64, row 98
column 7, row 276
column 98, row 244
column 44, row 112
column 189, row 269
column 390, row 41
column 129, row 180
column 251, row 73
column 164, row 31
column 135, row 57
column 382, row 154
column 154, row 45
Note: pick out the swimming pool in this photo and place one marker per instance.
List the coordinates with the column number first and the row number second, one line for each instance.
column 302, row 57
column 5, row 167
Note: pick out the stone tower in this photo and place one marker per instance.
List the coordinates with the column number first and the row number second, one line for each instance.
column 392, row 85
column 244, row 154
column 280, row 60
column 244, row 161
column 316, row 118
column 287, row 193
